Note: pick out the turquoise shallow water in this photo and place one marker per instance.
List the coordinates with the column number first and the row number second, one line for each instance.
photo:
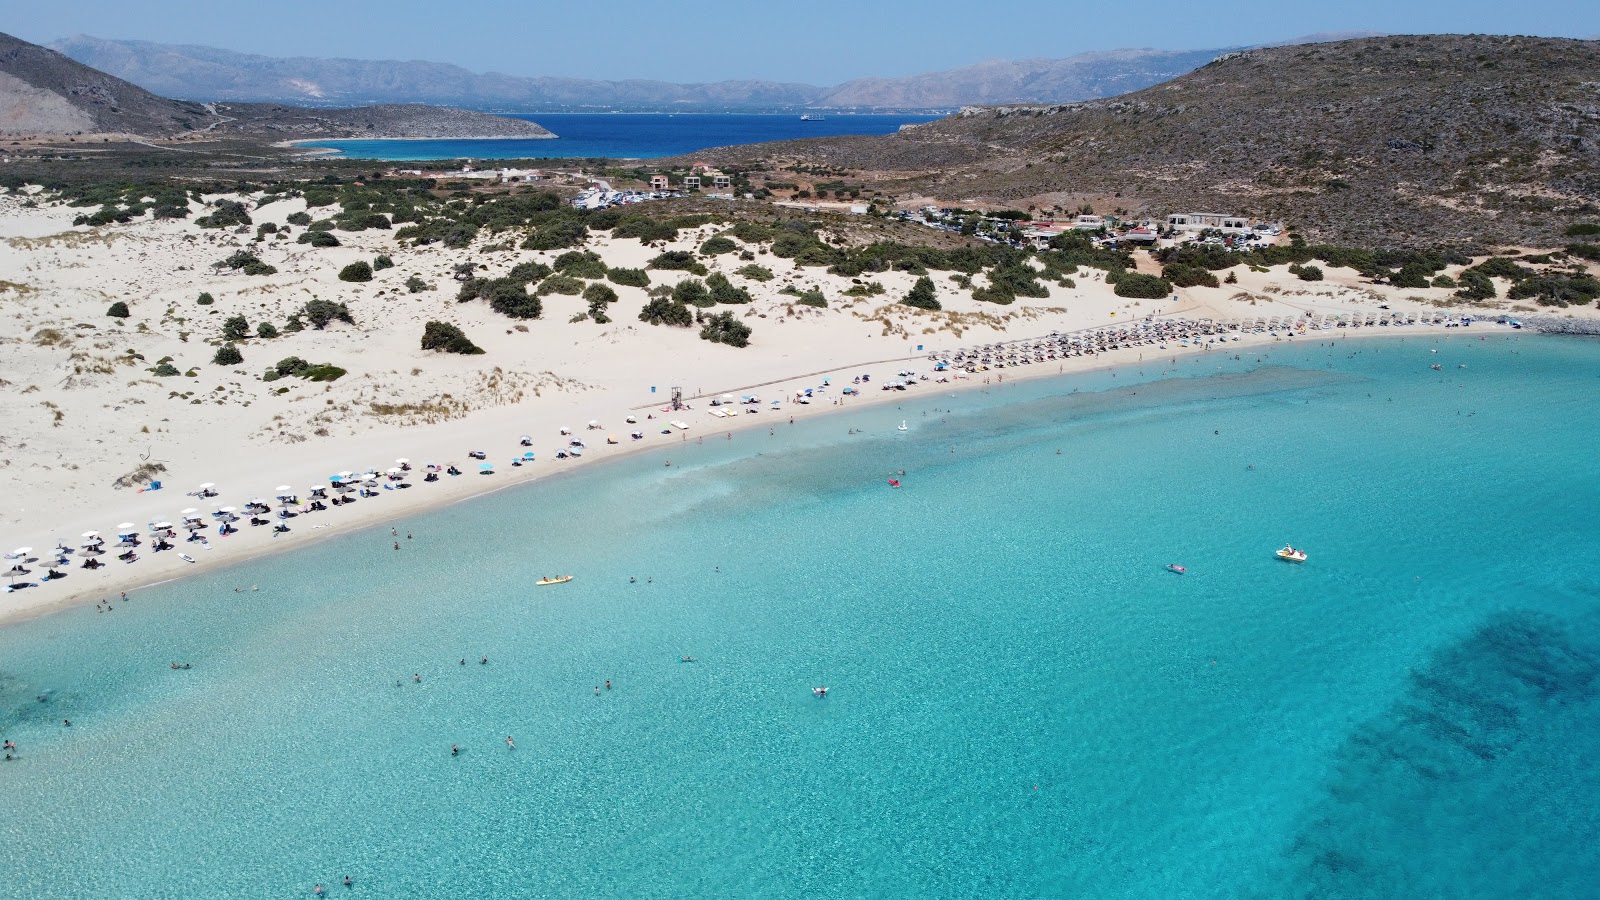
column 1022, row 703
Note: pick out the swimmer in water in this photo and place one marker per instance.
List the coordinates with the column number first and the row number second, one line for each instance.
column 484, row 661
column 417, row 679
column 455, row 750
column 510, row 744
column 348, row 882
column 608, row 684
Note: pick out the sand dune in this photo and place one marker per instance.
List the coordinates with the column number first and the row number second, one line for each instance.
column 87, row 423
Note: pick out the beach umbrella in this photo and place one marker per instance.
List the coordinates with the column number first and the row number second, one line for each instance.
column 403, row 461
column 189, row 512
column 161, row 526
column 207, row 486
column 91, row 534
column 125, row 528
column 396, row 470
column 284, row 490
column 486, row 467
column 346, row 476
column 227, row 510
column 19, row 553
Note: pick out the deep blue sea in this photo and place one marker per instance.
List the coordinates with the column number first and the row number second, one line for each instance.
column 629, row 135
column 1023, row 702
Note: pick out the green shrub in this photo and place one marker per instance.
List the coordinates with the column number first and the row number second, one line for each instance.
column 1556, row 290
column 1503, row 267
column 923, row 295
column 447, row 338
column 692, row 292
column 808, row 297
column 118, row 310
column 1143, row 287
column 724, row 328
column 228, row 355
column 513, row 300
column 204, row 299
column 629, row 277
column 662, row 311
column 1582, row 229
column 761, row 274
column 318, row 239
column 235, row 328
column 599, row 293
column 266, row 330
column 228, row 214
column 1413, row 275
column 298, row 218
column 644, row 229
column 560, row 284
column 1189, row 276
column 247, row 262
column 323, row 372
column 529, row 271
column 321, row 312
column 717, row 246
column 1475, row 286
column 723, row 291
column 556, row 234
column 677, row 260
column 382, row 262
column 165, row 370
column 358, row 271
column 1307, row 273
column 416, row 285
column 581, row 265
column 1590, row 252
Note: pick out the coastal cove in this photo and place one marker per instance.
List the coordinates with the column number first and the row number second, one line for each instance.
column 1123, row 731
column 625, row 136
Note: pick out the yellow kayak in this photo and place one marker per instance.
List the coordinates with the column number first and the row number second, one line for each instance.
column 562, row 580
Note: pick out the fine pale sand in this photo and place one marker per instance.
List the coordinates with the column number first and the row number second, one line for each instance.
column 80, row 413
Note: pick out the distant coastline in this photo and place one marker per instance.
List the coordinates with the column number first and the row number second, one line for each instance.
column 617, row 135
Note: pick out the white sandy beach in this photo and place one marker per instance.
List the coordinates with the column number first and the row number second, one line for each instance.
column 80, row 413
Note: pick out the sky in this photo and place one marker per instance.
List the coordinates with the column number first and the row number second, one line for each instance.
column 819, row 42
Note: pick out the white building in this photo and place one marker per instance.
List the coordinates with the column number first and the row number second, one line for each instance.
column 1201, row 221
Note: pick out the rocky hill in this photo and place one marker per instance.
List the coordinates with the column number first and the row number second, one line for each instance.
column 208, row 73
column 1415, row 140
column 44, row 93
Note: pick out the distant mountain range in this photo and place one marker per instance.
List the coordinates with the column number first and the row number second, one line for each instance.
column 43, row 93
column 207, row 73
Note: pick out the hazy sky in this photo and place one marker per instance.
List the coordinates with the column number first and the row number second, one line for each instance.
column 815, row 41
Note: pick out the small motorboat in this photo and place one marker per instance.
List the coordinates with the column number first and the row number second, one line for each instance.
column 562, row 580
column 1436, row 367
column 1290, row 554
column 1174, row 567
column 902, row 425
column 894, row 483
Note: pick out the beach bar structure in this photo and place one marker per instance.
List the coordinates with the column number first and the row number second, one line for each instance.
column 1199, row 221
